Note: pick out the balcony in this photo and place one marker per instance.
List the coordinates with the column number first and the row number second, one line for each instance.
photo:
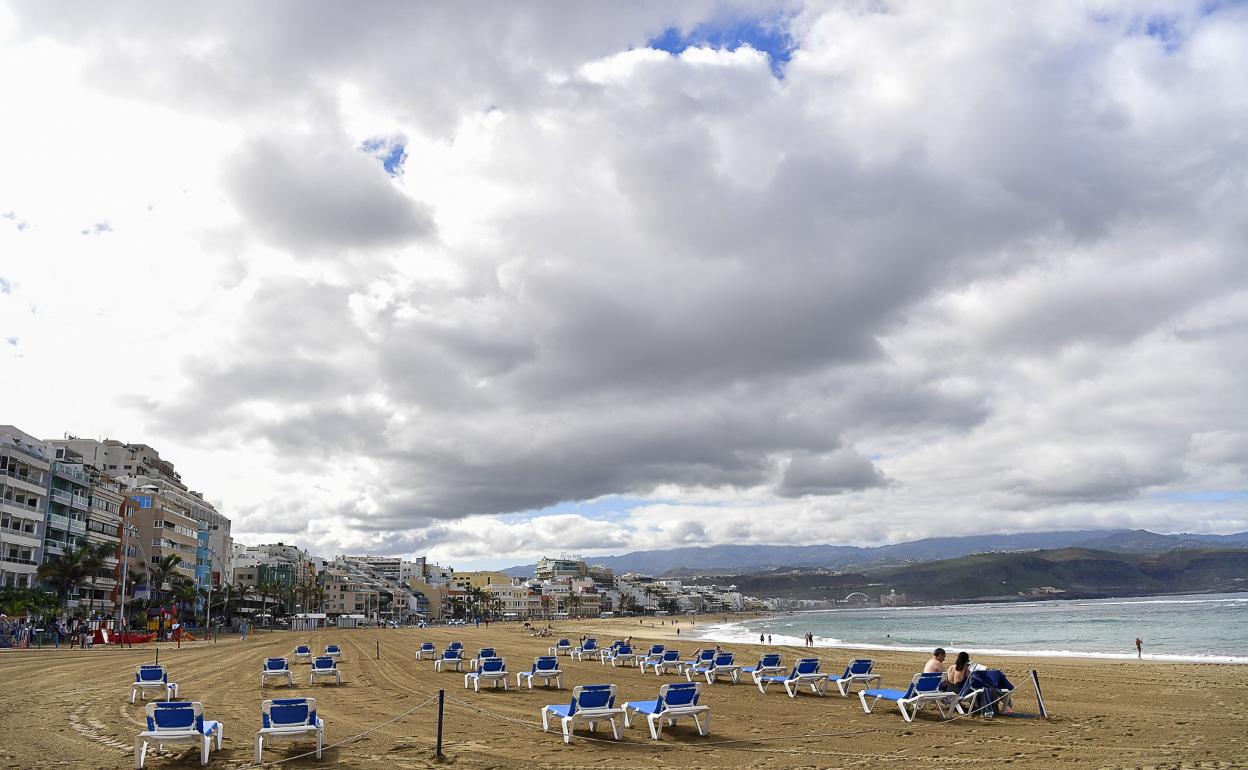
column 34, row 479
column 67, row 524
column 82, row 502
column 72, row 472
column 20, row 537
column 22, row 510
column 18, row 560
column 61, row 496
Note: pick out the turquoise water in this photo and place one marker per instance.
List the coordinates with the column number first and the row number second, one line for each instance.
column 1202, row 627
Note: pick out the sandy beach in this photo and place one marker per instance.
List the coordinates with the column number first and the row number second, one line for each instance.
column 70, row 708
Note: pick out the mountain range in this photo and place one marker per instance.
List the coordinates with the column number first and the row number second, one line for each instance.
column 1066, row 573
column 737, row 559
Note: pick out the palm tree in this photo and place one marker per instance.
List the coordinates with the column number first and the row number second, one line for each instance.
column 161, row 572
column 228, row 594
column 94, row 563
column 65, row 573
column 574, row 603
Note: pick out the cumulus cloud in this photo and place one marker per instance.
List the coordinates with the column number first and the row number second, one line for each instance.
column 911, row 282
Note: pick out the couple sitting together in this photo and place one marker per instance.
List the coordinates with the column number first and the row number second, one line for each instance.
column 995, row 687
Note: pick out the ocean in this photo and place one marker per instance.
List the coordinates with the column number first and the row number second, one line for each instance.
column 1209, row 628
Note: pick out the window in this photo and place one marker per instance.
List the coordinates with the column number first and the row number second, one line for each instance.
column 127, row 467
column 112, row 467
column 60, row 454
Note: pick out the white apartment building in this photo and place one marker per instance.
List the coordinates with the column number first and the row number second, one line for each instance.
column 393, row 567
column 24, row 468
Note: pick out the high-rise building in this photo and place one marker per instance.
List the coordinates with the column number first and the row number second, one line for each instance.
column 24, row 471
column 171, row 518
column 556, row 569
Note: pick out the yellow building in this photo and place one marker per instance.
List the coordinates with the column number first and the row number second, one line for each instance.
column 481, row 579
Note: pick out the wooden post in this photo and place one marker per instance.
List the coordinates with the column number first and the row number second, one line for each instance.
column 437, row 754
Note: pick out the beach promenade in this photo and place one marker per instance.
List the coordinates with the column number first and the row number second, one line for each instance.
column 70, row 708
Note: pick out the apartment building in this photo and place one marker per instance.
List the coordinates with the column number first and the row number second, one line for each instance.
column 556, row 569
column 69, row 502
column 516, row 600
column 392, row 567
column 481, row 579
column 347, row 594
column 24, row 471
column 157, row 488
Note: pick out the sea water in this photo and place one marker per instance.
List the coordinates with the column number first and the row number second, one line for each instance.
column 1204, row 627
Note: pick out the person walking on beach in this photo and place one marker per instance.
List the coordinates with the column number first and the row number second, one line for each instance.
column 761, row 638
column 1139, row 648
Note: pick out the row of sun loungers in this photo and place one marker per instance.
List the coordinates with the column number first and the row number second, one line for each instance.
column 180, row 722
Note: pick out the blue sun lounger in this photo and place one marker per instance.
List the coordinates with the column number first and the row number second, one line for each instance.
column 923, row 689
column 676, row 701
column 590, row 704
column 653, row 654
column 561, row 647
column 289, row 718
column 177, row 723
column 427, row 649
column 303, row 654
column 858, row 671
column 623, row 655
column 805, row 672
column 450, row 658
column 669, row 660
column 324, row 666
column 588, row 647
column 152, row 677
column 333, row 651
column 720, row 665
column 767, row 665
column 482, row 654
column 276, row 668
column 545, row 668
column 490, row 670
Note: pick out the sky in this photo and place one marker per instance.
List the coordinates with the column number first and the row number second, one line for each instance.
column 486, row 283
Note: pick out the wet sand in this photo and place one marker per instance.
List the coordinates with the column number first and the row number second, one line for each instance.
column 70, row 708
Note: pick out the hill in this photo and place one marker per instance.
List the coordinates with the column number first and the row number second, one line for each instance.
column 1061, row 573
column 729, row 559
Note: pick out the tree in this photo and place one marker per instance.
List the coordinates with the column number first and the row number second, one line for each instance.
column 94, row 563
column 574, row 603
column 228, row 595
column 66, row 572
column 628, row 603
column 160, row 573
column 547, row 600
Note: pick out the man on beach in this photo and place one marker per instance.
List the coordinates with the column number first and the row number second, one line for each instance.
column 1139, row 648
column 936, row 665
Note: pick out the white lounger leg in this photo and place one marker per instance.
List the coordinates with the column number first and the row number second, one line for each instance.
column 140, row 752
column 259, row 746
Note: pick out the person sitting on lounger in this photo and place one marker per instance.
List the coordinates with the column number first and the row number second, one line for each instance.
column 937, row 663
column 955, row 675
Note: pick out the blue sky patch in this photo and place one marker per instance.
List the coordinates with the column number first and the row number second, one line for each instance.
column 1207, row 496
column 390, row 150
column 770, row 36
column 1165, row 30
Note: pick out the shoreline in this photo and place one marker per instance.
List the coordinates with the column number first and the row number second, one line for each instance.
column 707, row 632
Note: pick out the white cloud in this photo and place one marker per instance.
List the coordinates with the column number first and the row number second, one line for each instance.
column 958, row 271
